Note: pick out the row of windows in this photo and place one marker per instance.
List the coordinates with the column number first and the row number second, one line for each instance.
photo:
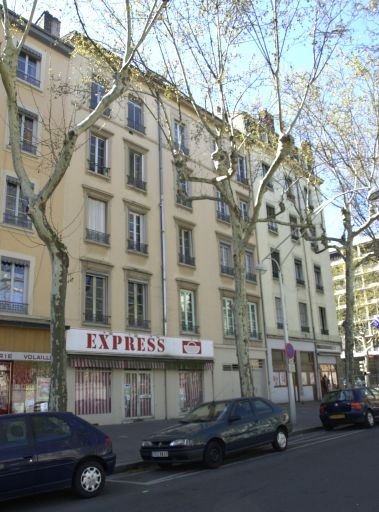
column 303, row 317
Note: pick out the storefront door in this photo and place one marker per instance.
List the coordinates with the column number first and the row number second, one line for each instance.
column 137, row 394
column 5, row 379
column 190, row 390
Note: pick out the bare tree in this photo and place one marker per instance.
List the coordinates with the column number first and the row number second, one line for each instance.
column 341, row 120
column 229, row 60
column 135, row 33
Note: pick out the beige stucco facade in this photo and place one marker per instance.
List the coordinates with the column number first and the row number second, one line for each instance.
column 145, row 269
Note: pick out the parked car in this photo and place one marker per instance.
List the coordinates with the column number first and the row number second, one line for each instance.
column 213, row 430
column 47, row 451
column 350, row 405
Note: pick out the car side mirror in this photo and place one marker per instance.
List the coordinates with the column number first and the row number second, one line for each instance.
column 234, row 417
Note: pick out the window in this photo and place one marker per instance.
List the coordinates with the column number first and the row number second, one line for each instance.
column 13, row 436
column 275, row 263
column 242, row 409
column 187, row 308
column 135, row 115
column 185, row 247
column 226, row 259
column 181, row 137
column 16, row 206
column 222, row 212
column 93, row 391
column 303, row 317
column 289, row 188
column 265, row 169
column 97, row 92
column 249, row 267
column 253, row 320
column 313, row 233
column 279, row 313
column 49, row 428
column 136, row 235
column 262, row 409
column 183, row 191
column 294, row 230
column 28, row 130
column 323, row 320
column 136, row 170
column 299, row 272
column 242, row 170
column 96, row 230
column 14, row 285
column 137, row 305
column 29, row 66
column 98, row 155
column 244, row 210
column 96, row 291
column 271, row 224
column 228, row 316
column 318, row 278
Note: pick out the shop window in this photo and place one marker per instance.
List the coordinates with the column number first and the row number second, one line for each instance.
column 279, row 368
column 93, row 391
column 30, row 387
column 190, row 390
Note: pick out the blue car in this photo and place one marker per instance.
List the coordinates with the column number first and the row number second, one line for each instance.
column 48, row 451
column 350, row 406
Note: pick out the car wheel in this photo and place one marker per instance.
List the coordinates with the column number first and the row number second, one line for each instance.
column 281, row 440
column 369, row 419
column 213, row 455
column 89, row 479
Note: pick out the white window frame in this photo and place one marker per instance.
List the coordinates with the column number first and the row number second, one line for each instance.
column 94, row 159
column 31, row 146
column 97, row 221
column 137, row 231
column 137, row 309
column 242, row 169
column 279, row 313
column 24, row 75
column 181, row 136
column 304, row 320
column 253, row 320
column 96, row 278
column 16, row 217
column 228, row 316
column 136, row 122
column 13, row 289
column 187, row 311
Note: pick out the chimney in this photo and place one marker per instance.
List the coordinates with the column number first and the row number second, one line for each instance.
column 50, row 24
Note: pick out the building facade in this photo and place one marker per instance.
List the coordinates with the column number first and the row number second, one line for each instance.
column 366, row 289
column 149, row 312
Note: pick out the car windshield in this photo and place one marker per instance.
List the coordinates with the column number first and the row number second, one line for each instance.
column 211, row 411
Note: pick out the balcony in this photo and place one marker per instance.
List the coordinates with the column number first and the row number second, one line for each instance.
column 97, row 318
column 189, row 328
column 224, row 216
column 300, row 282
column 251, row 277
column 325, row 331
column 28, row 147
column 97, row 236
column 229, row 331
column 226, row 269
column 134, row 245
column 98, row 168
column 272, row 227
column 136, row 125
column 242, row 178
column 255, row 335
column 136, row 182
column 28, row 78
column 320, row 288
column 13, row 307
column 138, row 323
column 183, row 201
column 305, row 328
column 187, row 259
column 20, row 220
column 180, row 146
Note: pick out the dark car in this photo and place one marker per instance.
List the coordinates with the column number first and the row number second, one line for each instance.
column 348, row 406
column 215, row 429
column 47, row 451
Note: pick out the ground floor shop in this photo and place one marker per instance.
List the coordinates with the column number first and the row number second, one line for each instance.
column 115, row 377
column 24, row 366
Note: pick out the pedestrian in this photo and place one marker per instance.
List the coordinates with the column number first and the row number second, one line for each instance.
column 324, row 384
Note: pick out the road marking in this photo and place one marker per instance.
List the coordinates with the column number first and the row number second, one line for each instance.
column 156, row 481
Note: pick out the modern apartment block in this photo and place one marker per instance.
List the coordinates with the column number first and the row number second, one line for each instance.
column 366, row 286
column 149, row 312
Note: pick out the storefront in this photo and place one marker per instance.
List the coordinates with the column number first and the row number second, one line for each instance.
column 114, row 377
column 24, row 366
column 329, row 362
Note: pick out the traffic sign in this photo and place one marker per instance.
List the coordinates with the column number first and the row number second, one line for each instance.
column 290, row 351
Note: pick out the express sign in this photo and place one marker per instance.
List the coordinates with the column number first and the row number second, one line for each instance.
column 105, row 343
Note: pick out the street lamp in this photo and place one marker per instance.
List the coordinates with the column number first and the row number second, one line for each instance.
column 291, row 391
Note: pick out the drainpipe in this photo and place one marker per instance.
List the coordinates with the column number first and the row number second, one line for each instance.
column 163, row 241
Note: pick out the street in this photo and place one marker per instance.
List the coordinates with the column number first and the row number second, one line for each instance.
column 320, row 471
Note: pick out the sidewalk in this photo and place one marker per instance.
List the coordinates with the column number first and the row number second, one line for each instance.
column 127, row 437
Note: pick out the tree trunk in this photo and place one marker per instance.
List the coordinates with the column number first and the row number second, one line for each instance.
column 348, row 324
column 59, row 271
column 241, row 316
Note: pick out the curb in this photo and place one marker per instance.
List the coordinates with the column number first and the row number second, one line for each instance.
column 140, row 464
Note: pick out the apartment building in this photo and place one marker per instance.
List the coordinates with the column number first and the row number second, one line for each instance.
column 366, row 287
column 149, row 312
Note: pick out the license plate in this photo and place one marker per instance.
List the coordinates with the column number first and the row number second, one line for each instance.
column 159, row 454
column 337, row 416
